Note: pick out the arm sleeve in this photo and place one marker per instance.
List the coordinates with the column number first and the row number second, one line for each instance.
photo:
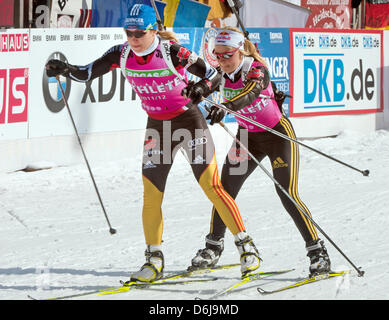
column 108, row 61
column 184, row 58
column 258, row 79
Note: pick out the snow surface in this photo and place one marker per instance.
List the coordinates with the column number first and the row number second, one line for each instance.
column 55, row 240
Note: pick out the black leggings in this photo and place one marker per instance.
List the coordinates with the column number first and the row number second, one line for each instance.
column 284, row 157
column 163, row 140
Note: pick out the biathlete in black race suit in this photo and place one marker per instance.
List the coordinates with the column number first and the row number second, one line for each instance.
column 174, row 122
column 245, row 77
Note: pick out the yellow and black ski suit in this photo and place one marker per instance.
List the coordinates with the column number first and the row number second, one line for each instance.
column 185, row 128
column 283, row 155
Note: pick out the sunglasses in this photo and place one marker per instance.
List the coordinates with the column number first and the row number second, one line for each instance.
column 137, row 34
column 224, row 55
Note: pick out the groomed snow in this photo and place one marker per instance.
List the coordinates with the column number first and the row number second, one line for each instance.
column 54, row 239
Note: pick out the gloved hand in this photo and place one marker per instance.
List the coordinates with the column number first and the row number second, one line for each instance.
column 56, row 67
column 279, row 96
column 195, row 91
column 215, row 115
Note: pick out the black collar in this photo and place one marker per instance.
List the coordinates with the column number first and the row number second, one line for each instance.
column 237, row 76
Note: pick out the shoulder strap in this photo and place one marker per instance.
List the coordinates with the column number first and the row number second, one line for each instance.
column 165, row 49
column 123, row 57
column 248, row 61
column 222, row 84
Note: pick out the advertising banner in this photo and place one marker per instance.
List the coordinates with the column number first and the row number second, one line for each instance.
column 14, row 83
column 101, row 105
column 273, row 14
column 336, row 72
column 328, row 73
column 377, row 15
column 186, row 36
column 329, row 14
column 7, row 13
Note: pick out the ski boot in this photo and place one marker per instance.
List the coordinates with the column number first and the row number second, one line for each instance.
column 319, row 259
column 152, row 270
column 249, row 255
column 209, row 256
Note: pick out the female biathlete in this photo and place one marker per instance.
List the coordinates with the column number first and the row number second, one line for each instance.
column 174, row 122
column 245, row 77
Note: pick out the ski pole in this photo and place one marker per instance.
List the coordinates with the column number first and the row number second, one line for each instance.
column 364, row 172
column 233, row 4
column 360, row 272
column 111, row 230
column 161, row 27
column 273, row 98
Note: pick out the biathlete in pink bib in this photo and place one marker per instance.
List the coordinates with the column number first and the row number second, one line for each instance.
column 156, row 66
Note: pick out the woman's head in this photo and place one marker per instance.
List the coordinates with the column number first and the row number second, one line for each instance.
column 140, row 27
column 228, row 44
column 231, row 47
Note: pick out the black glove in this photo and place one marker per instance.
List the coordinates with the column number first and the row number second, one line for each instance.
column 215, row 115
column 195, row 91
column 279, row 96
column 56, row 67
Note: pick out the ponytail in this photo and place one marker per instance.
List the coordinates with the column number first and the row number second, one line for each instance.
column 249, row 49
column 168, row 35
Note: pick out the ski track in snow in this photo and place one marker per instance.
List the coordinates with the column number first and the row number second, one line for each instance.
column 55, row 240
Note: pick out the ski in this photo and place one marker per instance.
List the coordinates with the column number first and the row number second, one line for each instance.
column 135, row 285
column 249, row 278
column 191, row 272
column 305, row 281
column 126, row 286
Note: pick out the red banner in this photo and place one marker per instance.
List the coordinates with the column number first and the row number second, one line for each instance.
column 6, row 13
column 377, row 16
column 329, row 14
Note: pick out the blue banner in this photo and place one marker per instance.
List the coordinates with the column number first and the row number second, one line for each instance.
column 186, row 37
column 274, row 46
column 112, row 13
column 190, row 13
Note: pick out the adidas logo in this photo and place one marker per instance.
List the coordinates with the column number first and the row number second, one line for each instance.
column 279, row 163
column 198, row 160
column 149, row 165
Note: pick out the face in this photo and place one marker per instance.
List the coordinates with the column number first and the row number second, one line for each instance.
column 229, row 58
column 140, row 39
